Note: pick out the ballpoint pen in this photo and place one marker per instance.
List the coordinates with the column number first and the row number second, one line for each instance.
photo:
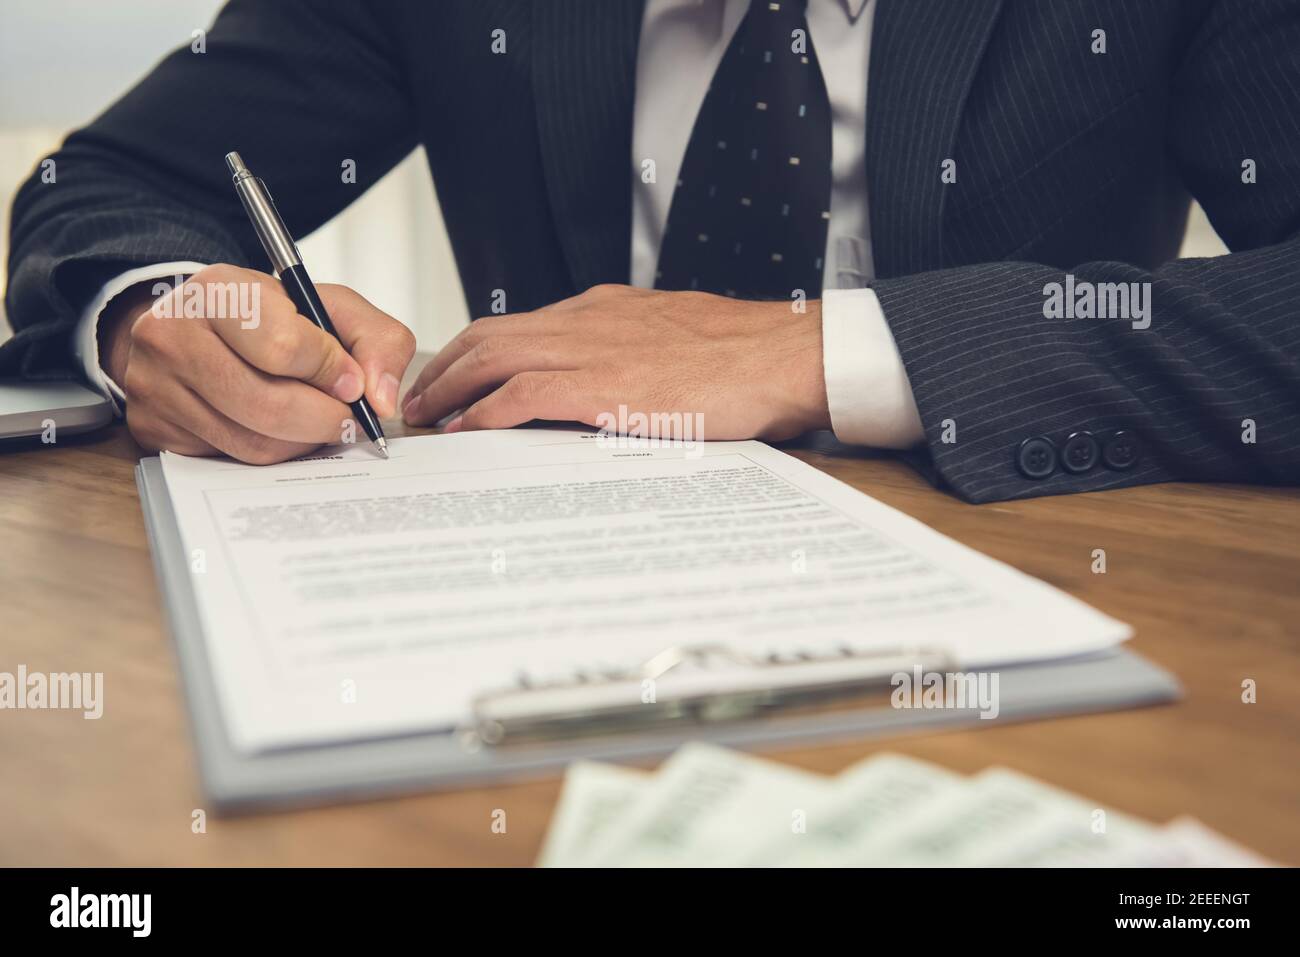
column 289, row 269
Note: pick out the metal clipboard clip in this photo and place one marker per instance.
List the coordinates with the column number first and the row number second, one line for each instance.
column 688, row 684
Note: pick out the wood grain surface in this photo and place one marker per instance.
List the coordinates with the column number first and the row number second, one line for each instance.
column 1209, row 576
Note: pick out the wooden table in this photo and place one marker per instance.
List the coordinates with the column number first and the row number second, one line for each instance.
column 1209, row 576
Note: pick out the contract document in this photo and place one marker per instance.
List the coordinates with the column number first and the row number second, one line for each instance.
column 343, row 596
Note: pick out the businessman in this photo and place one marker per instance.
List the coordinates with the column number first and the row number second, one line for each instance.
column 943, row 226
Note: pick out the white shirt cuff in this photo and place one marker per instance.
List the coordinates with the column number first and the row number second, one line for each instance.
column 85, row 342
column 867, row 390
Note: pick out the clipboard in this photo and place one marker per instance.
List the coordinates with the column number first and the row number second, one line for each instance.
column 235, row 782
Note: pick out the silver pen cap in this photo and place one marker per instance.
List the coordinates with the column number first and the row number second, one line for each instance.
column 271, row 232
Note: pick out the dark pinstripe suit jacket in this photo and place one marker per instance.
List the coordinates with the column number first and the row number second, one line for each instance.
column 1067, row 160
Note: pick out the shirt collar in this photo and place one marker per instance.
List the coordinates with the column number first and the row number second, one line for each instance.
column 854, row 8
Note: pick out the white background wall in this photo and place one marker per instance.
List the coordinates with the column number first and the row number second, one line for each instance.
column 62, row 61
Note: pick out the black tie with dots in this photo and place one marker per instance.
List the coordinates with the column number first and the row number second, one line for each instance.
column 751, row 206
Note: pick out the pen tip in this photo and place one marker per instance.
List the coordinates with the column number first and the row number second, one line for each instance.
column 382, row 446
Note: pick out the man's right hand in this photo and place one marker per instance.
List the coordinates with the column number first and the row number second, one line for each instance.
column 260, row 383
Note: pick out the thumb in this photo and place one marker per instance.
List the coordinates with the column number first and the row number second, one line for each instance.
column 381, row 345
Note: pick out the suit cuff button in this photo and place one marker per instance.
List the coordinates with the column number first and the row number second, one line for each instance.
column 1122, row 450
column 1080, row 452
column 1036, row 457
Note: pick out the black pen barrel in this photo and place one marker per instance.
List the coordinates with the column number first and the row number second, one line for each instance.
column 303, row 294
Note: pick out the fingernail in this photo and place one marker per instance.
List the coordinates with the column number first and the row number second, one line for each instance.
column 407, row 409
column 387, row 397
column 349, row 387
column 453, row 425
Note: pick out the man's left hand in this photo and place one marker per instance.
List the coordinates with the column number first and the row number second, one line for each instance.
column 751, row 369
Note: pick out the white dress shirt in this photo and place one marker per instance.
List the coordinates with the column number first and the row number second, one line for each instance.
column 682, row 42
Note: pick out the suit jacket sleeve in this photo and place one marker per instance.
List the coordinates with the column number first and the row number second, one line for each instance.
column 299, row 87
column 1211, row 390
